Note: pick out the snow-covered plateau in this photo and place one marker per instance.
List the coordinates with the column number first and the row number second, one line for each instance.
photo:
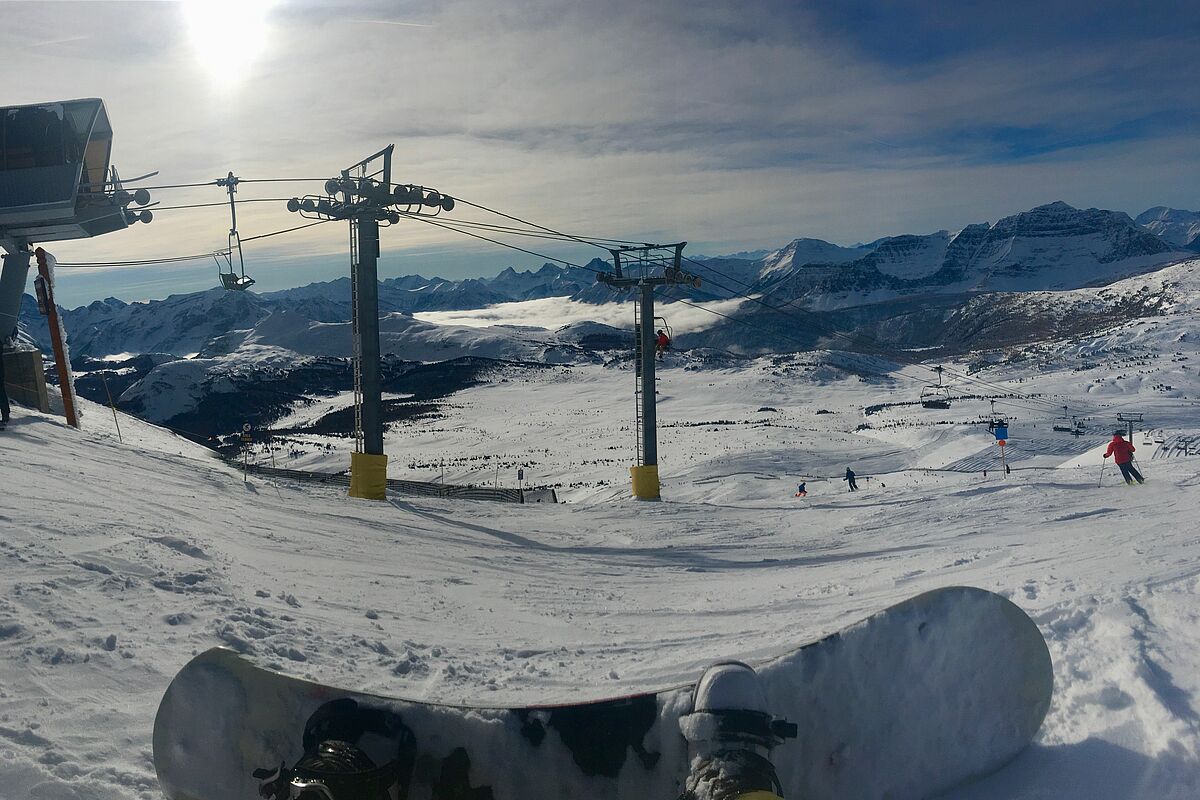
column 124, row 558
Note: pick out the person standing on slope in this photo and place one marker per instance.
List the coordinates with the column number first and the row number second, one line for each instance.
column 849, row 479
column 1122, row 453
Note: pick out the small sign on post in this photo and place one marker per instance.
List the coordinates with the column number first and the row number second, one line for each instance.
column 1000, row 431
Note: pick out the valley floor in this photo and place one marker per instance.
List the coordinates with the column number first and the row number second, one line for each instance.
column 122, row 560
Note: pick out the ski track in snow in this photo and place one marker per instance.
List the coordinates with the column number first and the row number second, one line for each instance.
column 122, row 560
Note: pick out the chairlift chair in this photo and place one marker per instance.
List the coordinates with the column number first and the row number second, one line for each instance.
column 936, row 396
column 231, row 280
column 1064, row 424
column 660, row 324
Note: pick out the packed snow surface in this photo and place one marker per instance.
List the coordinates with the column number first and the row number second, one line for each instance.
column 121, row 560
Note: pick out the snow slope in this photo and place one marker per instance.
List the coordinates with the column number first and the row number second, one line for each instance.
column 123, row 560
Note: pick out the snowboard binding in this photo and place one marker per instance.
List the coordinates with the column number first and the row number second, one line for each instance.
column 730, row 736
column 336, row 765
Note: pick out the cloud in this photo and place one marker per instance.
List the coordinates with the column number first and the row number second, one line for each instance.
column 554, row 312
column 732, row 126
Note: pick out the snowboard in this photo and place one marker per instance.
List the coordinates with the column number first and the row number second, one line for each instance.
column 939, row 689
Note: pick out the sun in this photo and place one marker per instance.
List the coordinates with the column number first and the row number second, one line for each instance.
column 228, row 35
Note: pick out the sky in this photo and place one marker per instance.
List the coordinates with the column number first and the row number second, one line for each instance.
column 732, row 126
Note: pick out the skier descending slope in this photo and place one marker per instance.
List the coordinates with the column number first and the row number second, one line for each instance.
column 1122, row 453
column 849, row 479
column 730, row 736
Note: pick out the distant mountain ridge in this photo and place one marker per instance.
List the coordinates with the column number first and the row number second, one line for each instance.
column 220, row 357
column 1054, row 246
column 1050, row 247
column 1173, row 225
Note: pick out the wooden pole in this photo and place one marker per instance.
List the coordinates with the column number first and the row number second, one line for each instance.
column 44, row 260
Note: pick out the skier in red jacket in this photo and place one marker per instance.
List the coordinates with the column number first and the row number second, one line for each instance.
column 662, row 343
column 1122, row 453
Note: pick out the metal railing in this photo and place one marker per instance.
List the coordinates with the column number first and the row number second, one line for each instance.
column 422, row 488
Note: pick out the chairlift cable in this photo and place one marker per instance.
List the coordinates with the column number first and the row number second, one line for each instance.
column 242, row 180
column 132, row 263
column 542, row 227
column 861, row 340
column 287, row 230
column 430, row 221
column 535, row 234
column 887, row 356
column 173, row 259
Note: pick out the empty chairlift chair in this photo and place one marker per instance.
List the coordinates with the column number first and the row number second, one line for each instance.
column 230, row 279
column 936, row 396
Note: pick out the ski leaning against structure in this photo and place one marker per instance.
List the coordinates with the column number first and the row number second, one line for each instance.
column 1122, row 455
column 891, row 706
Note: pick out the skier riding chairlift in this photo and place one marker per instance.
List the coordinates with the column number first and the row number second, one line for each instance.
column 662, row 343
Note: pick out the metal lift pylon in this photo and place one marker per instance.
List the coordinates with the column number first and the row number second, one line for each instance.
column 644, row 260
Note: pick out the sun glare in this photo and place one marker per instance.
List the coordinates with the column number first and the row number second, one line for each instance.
column 228, row 35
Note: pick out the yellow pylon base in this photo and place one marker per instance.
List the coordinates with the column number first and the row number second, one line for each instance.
column 645, row 482
column 368, row 476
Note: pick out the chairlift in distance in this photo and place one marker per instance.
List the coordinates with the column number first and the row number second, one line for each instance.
column 231, row 280
column 660, row 324
column 1068, row 424
column 936, row 396
column 995, row 421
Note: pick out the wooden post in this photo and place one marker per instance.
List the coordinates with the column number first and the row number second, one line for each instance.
column 46, row 271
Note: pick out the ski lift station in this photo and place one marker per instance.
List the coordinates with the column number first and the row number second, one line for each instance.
column 56, row 183
column 55, row 177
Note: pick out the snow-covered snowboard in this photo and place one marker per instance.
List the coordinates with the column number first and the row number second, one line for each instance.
column 941, row 688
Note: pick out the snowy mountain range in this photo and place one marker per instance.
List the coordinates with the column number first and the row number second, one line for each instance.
column 1027, row 276
column 1051, row 247
column 1179, row 228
